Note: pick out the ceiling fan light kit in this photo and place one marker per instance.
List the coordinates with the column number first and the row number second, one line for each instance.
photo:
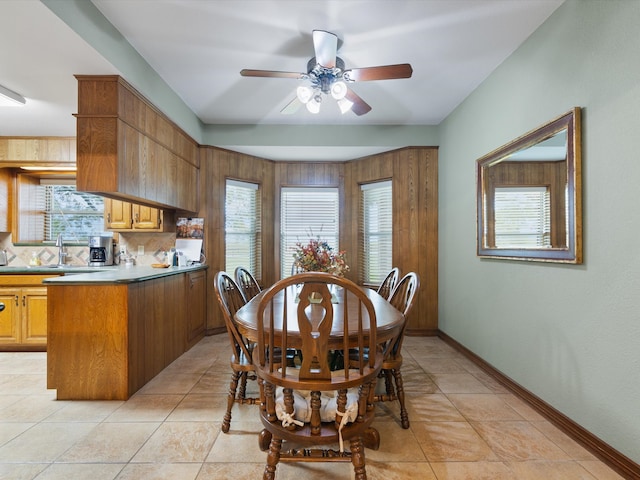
column 326, row 75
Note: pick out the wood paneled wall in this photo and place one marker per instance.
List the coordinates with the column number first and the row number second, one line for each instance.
column 216, row 166
column 414, row 172
column 6, row 199
column 414, row 175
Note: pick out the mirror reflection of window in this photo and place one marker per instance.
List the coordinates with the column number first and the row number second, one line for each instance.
column 522, row 217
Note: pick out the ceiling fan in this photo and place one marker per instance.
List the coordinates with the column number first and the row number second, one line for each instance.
column 326, row 75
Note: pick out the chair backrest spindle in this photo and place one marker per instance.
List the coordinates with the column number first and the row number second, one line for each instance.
column 247, row 283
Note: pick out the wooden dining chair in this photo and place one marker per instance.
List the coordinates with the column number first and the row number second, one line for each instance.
column 309, row 405
column 249, row 286
column 402, row 298
column 231, row 300
column 389, row 282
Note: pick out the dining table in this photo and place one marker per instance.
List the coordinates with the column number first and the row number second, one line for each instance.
column 389, row 320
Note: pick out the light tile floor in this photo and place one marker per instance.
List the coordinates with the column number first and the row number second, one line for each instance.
column 464, row 425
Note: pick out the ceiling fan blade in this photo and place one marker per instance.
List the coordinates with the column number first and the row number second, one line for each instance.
column 384, row 72
column 360, row 107
column 271, row 73
column 325, row 44
column 292, row 107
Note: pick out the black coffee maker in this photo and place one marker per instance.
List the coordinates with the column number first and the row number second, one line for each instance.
column 100, row 251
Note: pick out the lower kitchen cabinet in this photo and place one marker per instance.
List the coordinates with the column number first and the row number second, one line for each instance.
column 196, row 287
column 23, row 322
column 108, row 340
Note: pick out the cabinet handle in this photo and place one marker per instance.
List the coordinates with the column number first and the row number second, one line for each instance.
column 137, row 217
column 24, row 301
column 108, row 217
column 16, row 300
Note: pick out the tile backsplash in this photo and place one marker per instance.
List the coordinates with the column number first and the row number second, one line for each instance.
column 155, row 244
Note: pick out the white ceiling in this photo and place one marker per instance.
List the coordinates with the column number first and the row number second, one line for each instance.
column 199, row 47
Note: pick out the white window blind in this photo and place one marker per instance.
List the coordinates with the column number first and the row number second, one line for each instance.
column 76, row 215
column 243, row 236
column 306, row 213
column 376, row 240
column 522, row 217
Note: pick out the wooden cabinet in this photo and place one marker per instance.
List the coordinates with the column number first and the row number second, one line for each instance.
column 34, row 315
column 10, row 317
column 23, row 323
column 129, row 150
column 117, row 215
column 125, row 216
column 107, row 340
column 24, row 319
column 37, row 151
column 196, row 287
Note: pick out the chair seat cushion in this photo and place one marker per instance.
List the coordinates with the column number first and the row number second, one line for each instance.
column 302, row 405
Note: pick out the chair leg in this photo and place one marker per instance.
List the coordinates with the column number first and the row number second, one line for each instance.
column 242, row 391
column 404, row 416
column 273, row 457
column 231, row 398
column 264, row 440
column 388, row 383
column 357, row 459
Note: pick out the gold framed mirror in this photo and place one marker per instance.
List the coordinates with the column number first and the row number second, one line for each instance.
column 529, row 195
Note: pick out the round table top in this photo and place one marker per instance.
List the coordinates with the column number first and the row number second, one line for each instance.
column 389, row 320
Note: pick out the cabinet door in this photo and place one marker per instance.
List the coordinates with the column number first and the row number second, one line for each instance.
column 196, row 314
column 117, row 214
column 10, row 316
column 145, row 218
column 34, row 315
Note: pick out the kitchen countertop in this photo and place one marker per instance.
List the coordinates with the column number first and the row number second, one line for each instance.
column 79, row 274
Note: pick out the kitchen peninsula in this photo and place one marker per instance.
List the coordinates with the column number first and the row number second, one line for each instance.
column 110, row 332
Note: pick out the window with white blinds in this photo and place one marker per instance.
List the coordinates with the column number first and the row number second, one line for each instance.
column 76, row 215
column 306, row 213
column 522, row 217
column 376, row 240
column 243, row 236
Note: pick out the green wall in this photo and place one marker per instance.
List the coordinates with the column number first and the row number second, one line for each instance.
column 569, row 334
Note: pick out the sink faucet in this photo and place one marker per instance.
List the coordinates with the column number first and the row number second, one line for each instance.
column 61, row 251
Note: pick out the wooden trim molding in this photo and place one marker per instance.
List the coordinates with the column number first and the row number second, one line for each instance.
column 616, row 460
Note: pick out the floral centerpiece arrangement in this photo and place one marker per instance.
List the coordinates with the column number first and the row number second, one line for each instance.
column 319, row 256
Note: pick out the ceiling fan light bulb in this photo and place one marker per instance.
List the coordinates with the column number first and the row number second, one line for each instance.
column 344, row 105
column 338, row 90
column 313, row 105
column 304, row 93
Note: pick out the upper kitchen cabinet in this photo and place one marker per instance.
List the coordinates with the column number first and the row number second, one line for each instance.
column 129, row 150
column 124, row 216
column 37, row 151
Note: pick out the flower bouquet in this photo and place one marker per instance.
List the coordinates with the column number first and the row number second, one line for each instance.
column 318, row 256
